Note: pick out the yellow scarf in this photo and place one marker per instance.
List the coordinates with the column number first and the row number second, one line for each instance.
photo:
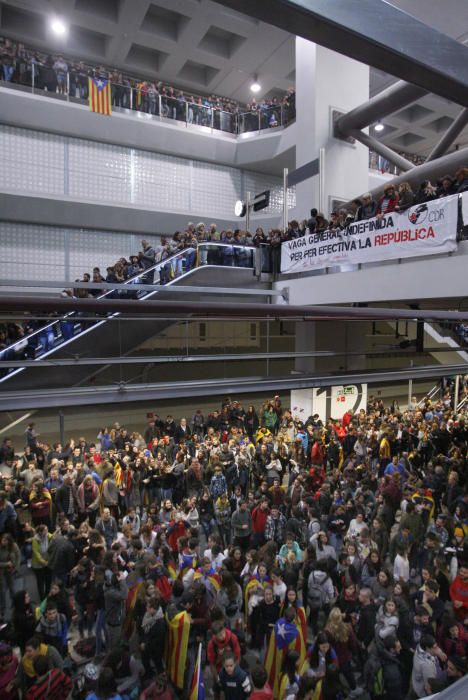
column 28, row 663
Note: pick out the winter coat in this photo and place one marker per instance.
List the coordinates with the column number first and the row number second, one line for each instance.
column 61, row 555
column 392, row 675
column 385, row 625
column 424, row 668
column 96, row 496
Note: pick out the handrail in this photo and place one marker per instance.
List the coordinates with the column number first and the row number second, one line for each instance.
column 131, row 280
column 180, row 254
column 131, row 97
column 430, row 395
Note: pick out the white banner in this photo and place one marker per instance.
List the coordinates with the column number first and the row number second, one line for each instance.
column 425, row 229
column 328, row 402
column 464, row 197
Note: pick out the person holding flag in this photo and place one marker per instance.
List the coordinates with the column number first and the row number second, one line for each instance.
column 222, row 640
column 209, row 576
column 197, row 689
column 187, row 560
column 300, row 619
column 286, row 636
column 179, row 623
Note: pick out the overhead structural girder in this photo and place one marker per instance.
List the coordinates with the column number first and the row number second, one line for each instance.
column 223, row 357
column 382, row 149
column 430, row 170
column 375, row 33
column 450, row 135
column 224, row 309
column 386, row 102
column 127, row 393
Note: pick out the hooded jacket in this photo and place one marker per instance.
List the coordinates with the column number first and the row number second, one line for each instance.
column 392, row 675
column 424, row 668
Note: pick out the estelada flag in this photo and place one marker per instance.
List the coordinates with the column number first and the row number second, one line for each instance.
column 197, row 689
column 176, row 647
column 251, row 586
column 172, row 571
column 286, row 636
column 99, row 98
column 211, row 578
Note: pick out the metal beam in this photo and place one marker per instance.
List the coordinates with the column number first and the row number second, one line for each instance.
column 187, row 289
column 375, row 33
column 192, row 310
column 431, row 170
column 381, row 148
column 386, row 102
column 237, row 357
column 83, row 396
column 450, row 135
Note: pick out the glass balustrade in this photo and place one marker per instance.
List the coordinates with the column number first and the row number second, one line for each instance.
column 45, row 339
column 72, row 86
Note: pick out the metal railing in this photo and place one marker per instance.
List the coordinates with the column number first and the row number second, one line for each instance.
column 430, row 395
column 45, row 340
column 146, row 99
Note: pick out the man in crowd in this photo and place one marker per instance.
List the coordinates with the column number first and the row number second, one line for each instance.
column 239, row 553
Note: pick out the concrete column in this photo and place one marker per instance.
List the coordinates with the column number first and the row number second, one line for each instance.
column 305, row 341
column 327, row 81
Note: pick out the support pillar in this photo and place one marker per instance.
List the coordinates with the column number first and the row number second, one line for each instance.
column 327, row 81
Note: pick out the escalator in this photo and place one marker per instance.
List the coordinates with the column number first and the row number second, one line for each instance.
column 72, row 337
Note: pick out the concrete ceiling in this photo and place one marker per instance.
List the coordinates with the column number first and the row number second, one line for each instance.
column 203, row 47
column 193, row 44
column 418, row 127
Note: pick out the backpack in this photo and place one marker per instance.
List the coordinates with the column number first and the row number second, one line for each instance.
column 316, row 595
column 86, row 647
column 373, row 676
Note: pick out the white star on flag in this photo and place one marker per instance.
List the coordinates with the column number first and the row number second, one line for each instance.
column 100, row 83
column 281, row 631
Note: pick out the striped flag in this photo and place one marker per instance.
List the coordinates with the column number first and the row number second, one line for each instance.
column 177, row 646
column 100, row 96
column 211, row 579
column 286, row 636
column 197, row 690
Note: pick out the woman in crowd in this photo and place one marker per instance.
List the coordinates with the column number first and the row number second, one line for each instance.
column 328, row 526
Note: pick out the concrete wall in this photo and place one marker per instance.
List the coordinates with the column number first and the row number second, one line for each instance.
column 427, row 277
column 146, row 132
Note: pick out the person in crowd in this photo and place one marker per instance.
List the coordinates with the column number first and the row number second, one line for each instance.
column 388, row 201
column 369, row 206
column 405, row 196
column 350, row 542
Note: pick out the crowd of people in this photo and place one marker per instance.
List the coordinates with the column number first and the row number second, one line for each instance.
column 237, row 250
column 183, row 251
column 285, row 557
column 58, row 74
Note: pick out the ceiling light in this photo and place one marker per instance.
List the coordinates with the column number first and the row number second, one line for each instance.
column 255, row 86
column 379, row 127
column 58, row 27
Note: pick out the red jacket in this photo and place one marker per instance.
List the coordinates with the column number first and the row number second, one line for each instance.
column 216, row 648
column 176, row 530
column 340, row 432
column 459, row 592
column 264, row 694
column 391, row 204
column 346, row 420
column 259, row 518
column 317, row 453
